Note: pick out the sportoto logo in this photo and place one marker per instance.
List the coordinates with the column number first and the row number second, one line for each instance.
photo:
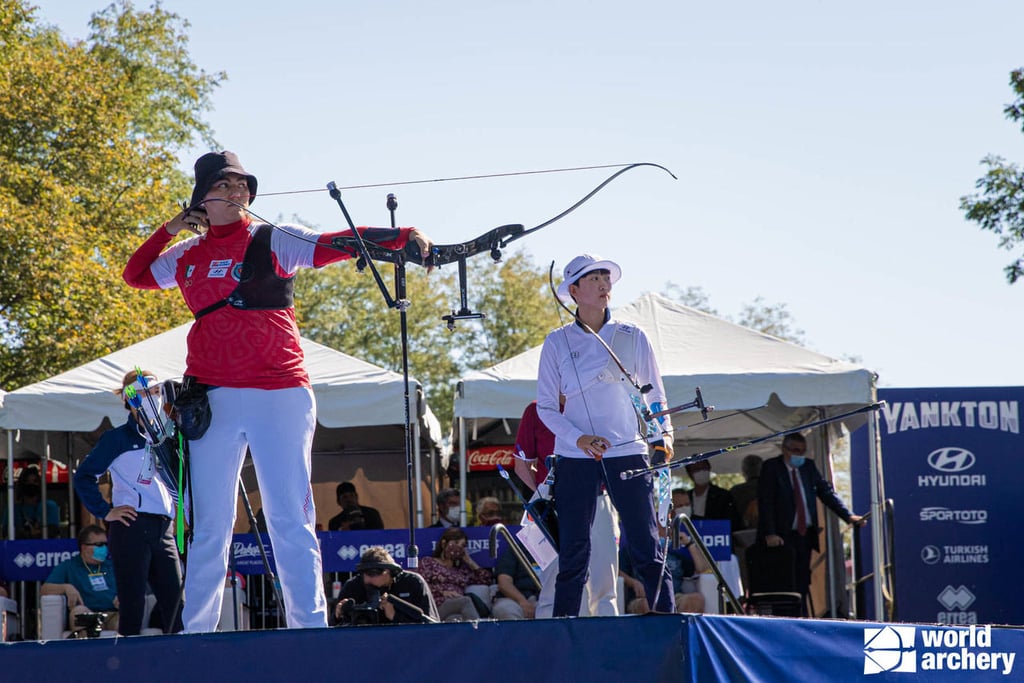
column 348, row 552
column 24, row 560
column 956, row 598
column 951, row 459
column 890, row 649
column 930, row 554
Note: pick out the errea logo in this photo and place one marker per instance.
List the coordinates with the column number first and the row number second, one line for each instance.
column 890, row 648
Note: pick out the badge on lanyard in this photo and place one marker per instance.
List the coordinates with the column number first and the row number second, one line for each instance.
column 148, row 467
column 99, row 582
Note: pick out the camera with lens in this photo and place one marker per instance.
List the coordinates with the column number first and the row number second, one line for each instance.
column 92, row 621
column 363, row 613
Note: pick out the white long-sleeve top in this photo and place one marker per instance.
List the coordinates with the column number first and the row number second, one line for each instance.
column 597, row 395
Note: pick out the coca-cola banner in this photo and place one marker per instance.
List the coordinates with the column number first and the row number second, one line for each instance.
column 487, row 458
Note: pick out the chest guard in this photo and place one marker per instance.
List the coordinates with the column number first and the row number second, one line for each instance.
column 259, row 286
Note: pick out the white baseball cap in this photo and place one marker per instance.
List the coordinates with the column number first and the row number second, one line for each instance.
column 580, row 266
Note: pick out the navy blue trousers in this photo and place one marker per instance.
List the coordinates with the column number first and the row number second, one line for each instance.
column 577, row 486
column 144, row 553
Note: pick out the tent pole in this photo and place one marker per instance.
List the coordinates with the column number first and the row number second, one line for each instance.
column 72, row 466
column 417, row 454
column 10, row 485
column 44, row 468
column 462, row 472
column 877, row 513
column 828, row 465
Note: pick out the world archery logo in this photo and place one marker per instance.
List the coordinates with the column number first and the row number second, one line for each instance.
column 890, row 649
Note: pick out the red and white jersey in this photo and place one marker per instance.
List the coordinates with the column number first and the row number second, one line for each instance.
column 231, row 347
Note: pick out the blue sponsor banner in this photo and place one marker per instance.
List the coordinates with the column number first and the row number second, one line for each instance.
column 341, row 549
column 952, row 464
column 809, row 650
column 34, row 560
column 717, row 536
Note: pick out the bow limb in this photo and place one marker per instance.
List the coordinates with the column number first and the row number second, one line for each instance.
column 585, row 199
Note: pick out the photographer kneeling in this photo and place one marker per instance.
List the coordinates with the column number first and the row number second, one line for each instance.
column 383, row 593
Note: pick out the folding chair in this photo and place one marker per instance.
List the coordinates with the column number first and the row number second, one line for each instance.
column 771, row 574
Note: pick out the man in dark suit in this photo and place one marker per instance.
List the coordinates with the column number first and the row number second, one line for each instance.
column 787, row 511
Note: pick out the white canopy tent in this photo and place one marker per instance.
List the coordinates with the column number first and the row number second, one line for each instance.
column 360, row 410
column 759, row 385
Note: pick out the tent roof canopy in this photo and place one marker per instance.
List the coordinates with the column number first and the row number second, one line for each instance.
column 349, row 392
column 770, row 384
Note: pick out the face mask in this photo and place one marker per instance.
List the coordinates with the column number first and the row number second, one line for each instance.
column 99, row 553
column 452, row 514
column 797, row 460
column 702, row 477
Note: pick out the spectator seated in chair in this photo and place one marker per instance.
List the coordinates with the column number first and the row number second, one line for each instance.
column 86, row 580
column 449, row 572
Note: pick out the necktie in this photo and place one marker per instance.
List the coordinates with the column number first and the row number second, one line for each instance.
column 801, row 512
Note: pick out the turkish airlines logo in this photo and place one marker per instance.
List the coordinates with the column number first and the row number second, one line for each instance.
column 951, row 459
column 956, row 598
column 930, row 554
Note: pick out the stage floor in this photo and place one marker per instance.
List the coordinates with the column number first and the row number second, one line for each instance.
column 631, row 648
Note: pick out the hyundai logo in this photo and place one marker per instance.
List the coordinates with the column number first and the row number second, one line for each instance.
column 951, row 459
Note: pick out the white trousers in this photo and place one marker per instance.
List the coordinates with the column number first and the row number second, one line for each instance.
column 277, row 427
column 599, row 595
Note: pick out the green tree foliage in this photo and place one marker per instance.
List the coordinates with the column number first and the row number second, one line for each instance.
column 999, row 204
column 89, row 135
column 342, row 308
column 520, row 309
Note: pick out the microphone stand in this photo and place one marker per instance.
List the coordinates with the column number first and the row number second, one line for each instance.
column 401, row 303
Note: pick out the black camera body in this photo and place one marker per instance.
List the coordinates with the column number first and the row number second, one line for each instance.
column 365, row 613
column 92, row 621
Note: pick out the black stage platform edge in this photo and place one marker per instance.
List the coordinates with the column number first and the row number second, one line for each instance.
column 648, row 648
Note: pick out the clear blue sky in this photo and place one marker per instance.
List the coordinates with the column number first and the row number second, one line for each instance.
column 821, row 147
